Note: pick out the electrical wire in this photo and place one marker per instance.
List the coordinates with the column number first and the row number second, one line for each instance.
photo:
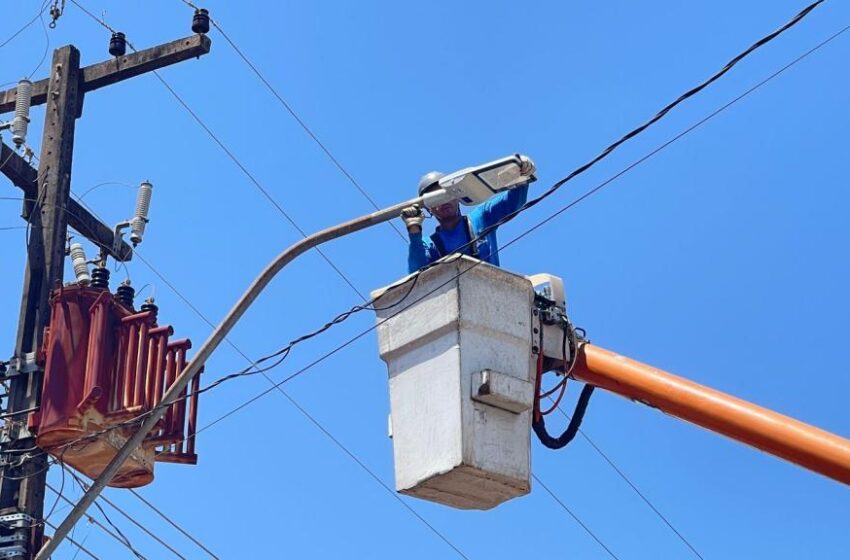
column 546, row 220
column 658, row 116
column 26, row 25
column 289, row 109
column 282, row 354
column 604, row 154
column 130, row 518
column 233, row 158
column 329, row 262
column 121, row 534
column 575, row 517
column 607, row 151
column 173, row 523
column 94, row 521
column 85, row 538
column 46, row 46
column 522, row 235
column 634, row 487
column 75, row 543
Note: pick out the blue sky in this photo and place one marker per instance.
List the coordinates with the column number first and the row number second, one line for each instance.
column 723, row 258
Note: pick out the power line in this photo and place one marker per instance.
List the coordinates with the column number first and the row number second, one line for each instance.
column 635, row 488
column 88, row 533
column 46, row 45
column 254, row 180
column 540, row 224
column 657, row 117
column 142, row 527
column 233, row 158
column 26, row 25
column 96, row 522
column 575, row 517
column 546, row 220
column 291, row 400
column 126, row 540
column 103, row 497
column 604, row 154
column 173, row 523
column 288, row 107
column 613, row 146
column 75, row 543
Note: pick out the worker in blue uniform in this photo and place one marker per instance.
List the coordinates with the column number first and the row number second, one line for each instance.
column 455, row 230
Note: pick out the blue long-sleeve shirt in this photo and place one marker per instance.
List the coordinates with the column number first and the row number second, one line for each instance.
column 422, row 252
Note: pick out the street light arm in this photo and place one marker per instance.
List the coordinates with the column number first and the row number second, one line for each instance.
column 215, row 339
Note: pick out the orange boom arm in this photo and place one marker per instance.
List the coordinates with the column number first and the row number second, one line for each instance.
column 779, row 435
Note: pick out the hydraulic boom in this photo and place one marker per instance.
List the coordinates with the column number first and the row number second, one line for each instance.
column 774, row 433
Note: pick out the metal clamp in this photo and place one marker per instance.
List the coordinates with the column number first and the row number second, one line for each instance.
column 16, row 551
column 15, row 520
column 22, row 365
column 17, row 536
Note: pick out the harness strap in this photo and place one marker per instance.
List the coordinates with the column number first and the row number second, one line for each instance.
column 437, row 240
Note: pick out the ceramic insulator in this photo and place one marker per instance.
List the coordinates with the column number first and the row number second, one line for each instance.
column 23, row 99
column 81, row 267
column 143, row 203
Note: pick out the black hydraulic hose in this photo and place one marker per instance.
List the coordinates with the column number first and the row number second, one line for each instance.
column 539, row 426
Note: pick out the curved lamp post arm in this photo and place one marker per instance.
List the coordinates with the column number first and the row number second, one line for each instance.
column 216, row 338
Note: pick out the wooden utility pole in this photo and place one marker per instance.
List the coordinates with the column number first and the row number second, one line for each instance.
column 50, row 211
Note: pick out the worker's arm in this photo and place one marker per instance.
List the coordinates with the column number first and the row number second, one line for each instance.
column 420, row 253
column 503, row 204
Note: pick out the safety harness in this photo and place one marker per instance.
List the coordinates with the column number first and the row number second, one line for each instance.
column 437, row 240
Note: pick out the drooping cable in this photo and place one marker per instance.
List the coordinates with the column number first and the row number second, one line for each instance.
column 539, row 423
column 26, row 25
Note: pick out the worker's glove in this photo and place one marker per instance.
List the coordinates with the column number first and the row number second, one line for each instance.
column 413, row 217
column 526, row 166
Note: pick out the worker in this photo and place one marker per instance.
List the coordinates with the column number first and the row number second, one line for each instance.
column 455, row 230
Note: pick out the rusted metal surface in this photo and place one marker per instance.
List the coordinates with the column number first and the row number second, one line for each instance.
column 104, row 365
column 774, row 433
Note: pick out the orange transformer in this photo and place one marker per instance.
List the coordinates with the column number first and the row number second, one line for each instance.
column 106, row 366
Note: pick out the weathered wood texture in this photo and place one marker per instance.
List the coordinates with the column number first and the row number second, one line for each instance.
column 120, row 68
column 45, row 261
column 24, row 176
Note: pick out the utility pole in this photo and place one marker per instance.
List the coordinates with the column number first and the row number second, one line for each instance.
column 49, row 211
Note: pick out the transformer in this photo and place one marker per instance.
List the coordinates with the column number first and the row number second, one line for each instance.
column 105, row 367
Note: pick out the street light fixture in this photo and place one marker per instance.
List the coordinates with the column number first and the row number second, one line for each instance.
column 475, row 185
column 471, row 186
